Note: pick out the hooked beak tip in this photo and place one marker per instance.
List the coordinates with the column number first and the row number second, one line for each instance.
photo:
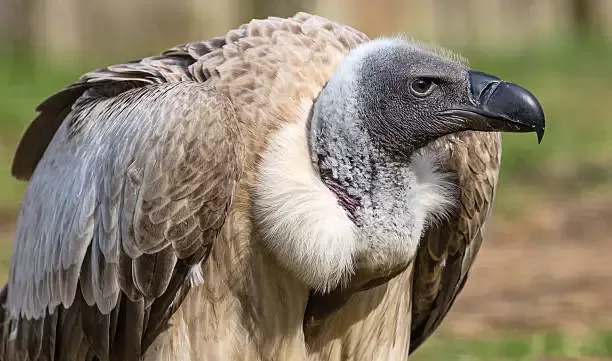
column 540, row 133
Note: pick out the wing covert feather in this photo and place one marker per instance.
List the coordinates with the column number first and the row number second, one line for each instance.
column 120, row 207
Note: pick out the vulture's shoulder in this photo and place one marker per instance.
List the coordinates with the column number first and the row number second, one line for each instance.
column 304, row 49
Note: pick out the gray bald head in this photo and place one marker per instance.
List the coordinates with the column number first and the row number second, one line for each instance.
column 400, row 91
column 388, row 99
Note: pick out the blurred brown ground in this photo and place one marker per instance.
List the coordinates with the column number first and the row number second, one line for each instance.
column 550, row 270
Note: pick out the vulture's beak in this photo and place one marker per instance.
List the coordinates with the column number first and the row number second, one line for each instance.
column 502, row 106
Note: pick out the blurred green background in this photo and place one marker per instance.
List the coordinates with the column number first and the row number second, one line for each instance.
column 541, row 287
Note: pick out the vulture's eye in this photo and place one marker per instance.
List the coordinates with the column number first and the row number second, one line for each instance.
column 422, row 87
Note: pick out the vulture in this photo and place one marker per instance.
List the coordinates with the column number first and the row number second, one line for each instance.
column 291, row 190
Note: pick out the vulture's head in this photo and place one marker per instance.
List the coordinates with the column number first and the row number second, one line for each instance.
column 345, row 201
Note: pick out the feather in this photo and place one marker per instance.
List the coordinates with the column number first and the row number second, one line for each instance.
column 152, row 272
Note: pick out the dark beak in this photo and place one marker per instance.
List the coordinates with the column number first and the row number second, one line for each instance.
column 496, row 105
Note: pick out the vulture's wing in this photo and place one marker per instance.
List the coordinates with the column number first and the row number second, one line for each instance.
column 447, row 251
column 126, row 201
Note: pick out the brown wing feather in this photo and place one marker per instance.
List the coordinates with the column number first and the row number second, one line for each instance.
column 448, row 250
column 118, row 211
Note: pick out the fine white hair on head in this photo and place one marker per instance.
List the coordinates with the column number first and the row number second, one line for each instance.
column 356, row 56
column 420, row 45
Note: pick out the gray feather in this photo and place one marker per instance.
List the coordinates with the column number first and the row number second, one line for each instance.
column 121, row 211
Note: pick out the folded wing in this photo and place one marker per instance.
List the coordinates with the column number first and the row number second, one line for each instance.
column 127, row 199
